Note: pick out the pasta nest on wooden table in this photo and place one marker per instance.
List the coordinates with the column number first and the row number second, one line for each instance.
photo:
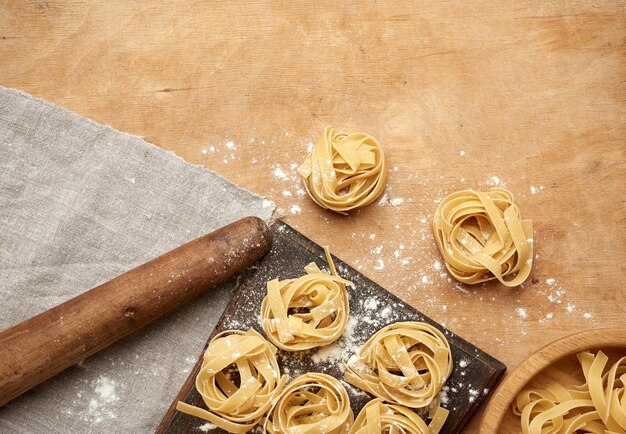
column 378, row 416
column 311, row 403
column 238, row 381
column 344, row 171
column 406, row 363
column 597, row 406
column 482, row 237
column 307, row 312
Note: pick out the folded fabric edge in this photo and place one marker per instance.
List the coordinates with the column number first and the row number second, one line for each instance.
column 273, row 215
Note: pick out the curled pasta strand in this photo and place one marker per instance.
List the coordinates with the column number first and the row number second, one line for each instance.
column 405, row 363
column 482, row 237
column 238, row 380
column 344, row 171
column 307, row 312
column 597, row 406
column 311, row 403
column 380, row 417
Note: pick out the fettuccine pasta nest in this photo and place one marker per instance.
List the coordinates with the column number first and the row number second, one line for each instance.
column 238, row 381
column 597, row 406
column 378, row 416
column 482, row 237
column 344, row 171
column 311, row 403
column 405, row 363
column 307, row 312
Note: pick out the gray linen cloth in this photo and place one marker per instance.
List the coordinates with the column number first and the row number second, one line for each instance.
column 81, row 203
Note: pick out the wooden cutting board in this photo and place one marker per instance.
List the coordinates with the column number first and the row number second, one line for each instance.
column 371, row 307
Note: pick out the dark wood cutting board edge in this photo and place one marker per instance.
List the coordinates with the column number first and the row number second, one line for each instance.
column 473, row 379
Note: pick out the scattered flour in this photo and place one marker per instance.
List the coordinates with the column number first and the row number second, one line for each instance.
column 380, row 265
column 339, row 351
column 280, row 174
column 397, row 201
column 444, row 395
column 371, row 303
column 99, row 407
column 473, row 394
column 522, row 312
column 105, row 388
column 295, row 209
column 206, row 427
column 230, row 145
column 494, row 180
column 329, row 352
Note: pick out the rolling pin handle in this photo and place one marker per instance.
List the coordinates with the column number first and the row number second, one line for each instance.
column 40, row 347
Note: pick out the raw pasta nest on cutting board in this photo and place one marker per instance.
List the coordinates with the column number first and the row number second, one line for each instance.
column 597, row 406
column 311, row 403
column 344, row 171
column 378, row 416
column 307, row 312
column 482, row 237
column 411, row 361
column 406, row 363
column 237, row 409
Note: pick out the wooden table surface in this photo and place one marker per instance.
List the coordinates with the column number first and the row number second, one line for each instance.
column 529, row 95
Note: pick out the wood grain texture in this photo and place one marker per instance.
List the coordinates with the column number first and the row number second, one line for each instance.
column 531, row 92
column 474, row 373
column 556, row 362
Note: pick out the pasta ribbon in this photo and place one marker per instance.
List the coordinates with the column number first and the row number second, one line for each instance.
column 405, row 363
column 380, row 417
column 311, row 403
column 344, row 171
column 482, row 237
column 597, row 406
column 307, row 312
column 238, row 380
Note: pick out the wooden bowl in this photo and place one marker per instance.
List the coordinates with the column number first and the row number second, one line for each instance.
column 554, row 362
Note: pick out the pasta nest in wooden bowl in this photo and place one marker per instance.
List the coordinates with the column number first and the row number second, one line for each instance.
column 406, row 363
column 344, row 171
column 378, row 416
column 311, row 403
column 307, row 312
column 597, row 406
column 482, row 237
column 238, row 381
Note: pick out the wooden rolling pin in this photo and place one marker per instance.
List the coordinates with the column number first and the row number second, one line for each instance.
column 41, row 347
